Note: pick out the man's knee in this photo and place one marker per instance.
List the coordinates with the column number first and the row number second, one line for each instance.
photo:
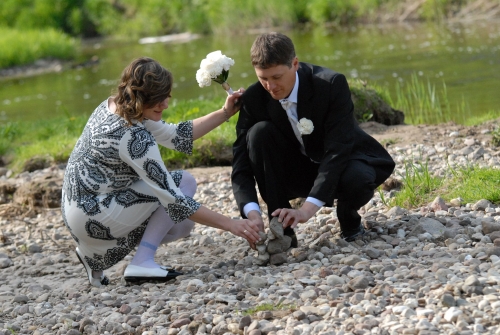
column 357, row 183
column 260, row 133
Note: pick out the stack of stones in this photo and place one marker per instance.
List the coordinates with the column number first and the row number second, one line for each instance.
column 274, row 251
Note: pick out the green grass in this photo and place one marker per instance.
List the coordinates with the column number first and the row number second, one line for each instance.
column 496, row 137
column 54, row 139
column 474, row 183
column 21, row 47
column 418, row 185
column 423, row 103
column 470, row 183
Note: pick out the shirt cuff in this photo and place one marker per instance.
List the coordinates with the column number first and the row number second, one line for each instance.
column 315, row 201
column 251, row 206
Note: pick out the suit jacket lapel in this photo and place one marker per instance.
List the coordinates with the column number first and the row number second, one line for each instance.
column 304, row 99
column 278, row 115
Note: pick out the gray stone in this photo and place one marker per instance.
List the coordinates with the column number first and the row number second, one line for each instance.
column 279, row 245
column 335, row 280
column 372, row 252
column 21, row 299
column 447, row 300
column 430, row 226
column 490, row 227
column 278, row 259
column 276, row 227
column 481, row 205
column 5, row 263
column 244, row 322
column 299, row 315
column 358, row 283
column 254, row 281
column 352, row 260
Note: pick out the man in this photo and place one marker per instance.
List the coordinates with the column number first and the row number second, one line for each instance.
column 325, row 157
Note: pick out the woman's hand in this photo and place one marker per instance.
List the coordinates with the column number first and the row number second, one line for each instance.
column 247, row 229
column 207, row 123
column 233, row 103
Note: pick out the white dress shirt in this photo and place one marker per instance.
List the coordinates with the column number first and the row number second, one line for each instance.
column 291, row 111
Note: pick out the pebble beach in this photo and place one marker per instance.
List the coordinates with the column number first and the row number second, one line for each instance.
column 434, row 269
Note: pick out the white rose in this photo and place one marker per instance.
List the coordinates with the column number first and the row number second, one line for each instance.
column 214, row 67
column 203, row 78
column 214, row 55
column 305, row 126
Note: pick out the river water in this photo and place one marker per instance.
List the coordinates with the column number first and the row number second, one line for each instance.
column 465, row 56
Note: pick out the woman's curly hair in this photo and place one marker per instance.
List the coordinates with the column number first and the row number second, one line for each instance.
column 144, row 83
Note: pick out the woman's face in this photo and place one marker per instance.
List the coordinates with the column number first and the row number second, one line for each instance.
column 154, row 113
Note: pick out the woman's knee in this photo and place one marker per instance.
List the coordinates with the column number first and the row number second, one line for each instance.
column 188, row 184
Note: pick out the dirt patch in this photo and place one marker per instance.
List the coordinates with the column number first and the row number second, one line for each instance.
column 403, row 135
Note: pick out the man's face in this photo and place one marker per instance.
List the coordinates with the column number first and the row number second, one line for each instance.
column 278, row 80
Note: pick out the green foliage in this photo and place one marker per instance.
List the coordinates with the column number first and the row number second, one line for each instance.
column 139, row 18
column 75, row 17
column 423, row 104
column 56, row 138
column 474, row 183
column 8, row 133
column 337, row 11
column 475, row 120
column 469, row 183
column 26, row 46
column 418, row 185
column 496, row 137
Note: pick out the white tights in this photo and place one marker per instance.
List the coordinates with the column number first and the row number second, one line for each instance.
column 161, row 228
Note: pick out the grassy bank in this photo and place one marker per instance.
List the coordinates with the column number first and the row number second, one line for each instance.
column 468, row 183
column 52, row 140
column 21, row 47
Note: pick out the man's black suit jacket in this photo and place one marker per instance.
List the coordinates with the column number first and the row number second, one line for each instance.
column 325, row 99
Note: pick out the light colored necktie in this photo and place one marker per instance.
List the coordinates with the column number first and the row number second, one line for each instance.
column 287, row 106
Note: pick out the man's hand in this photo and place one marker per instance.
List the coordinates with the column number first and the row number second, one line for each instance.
column 292, row 217
column 256, row 219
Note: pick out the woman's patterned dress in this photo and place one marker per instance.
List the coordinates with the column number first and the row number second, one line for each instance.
column 115, row 179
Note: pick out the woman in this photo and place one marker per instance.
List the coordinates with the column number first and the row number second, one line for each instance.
column 117, row 192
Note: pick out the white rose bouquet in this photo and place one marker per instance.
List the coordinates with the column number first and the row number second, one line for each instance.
column 305, row 126
column 215, row 67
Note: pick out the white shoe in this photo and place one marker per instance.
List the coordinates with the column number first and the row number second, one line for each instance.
column 137, row 273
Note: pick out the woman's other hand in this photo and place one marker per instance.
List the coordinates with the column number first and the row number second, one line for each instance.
column 233, row 103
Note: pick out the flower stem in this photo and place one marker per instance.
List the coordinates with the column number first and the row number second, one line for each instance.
column 228, row 89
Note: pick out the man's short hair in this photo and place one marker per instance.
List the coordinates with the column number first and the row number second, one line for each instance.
column 272, row 49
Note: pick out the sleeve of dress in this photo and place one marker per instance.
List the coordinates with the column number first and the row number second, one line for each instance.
column 173, row 136
column 140, row 151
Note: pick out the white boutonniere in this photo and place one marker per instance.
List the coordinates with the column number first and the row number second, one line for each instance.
column 215, row 67
column 305, row 126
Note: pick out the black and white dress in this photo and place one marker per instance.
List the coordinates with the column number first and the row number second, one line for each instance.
column 115, row 179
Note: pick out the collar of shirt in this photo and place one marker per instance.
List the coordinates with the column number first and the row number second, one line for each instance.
column 293, row 95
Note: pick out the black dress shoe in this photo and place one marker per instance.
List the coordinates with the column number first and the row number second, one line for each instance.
column 352, row 235
column 134, row 273
column 290, row 232
column 97, row 282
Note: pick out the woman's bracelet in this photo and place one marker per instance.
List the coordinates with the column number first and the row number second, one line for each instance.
column 226, row 115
